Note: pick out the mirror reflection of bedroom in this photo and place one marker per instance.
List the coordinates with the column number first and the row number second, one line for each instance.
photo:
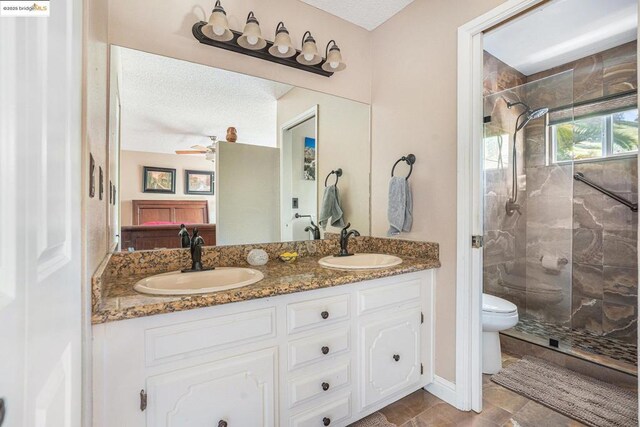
column 240, row 159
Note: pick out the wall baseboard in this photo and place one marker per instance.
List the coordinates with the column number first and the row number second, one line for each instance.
column 443, row 389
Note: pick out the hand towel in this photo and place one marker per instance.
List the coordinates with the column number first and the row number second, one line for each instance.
column 331, row 208
column 400, row 210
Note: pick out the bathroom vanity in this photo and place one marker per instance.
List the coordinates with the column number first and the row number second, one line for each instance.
column 307, row 346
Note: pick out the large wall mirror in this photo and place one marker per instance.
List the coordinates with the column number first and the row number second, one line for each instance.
column 243, row 159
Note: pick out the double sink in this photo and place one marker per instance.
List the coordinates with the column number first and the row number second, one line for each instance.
column 226, row 278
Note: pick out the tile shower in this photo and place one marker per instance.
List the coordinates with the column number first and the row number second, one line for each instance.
column 568, row 259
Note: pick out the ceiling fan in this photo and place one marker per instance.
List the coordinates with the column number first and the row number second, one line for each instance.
column 208, row 151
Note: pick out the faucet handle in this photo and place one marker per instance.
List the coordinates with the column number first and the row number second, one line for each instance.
column 346, row 227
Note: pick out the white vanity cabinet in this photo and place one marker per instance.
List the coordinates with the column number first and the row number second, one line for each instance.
column 323, row 357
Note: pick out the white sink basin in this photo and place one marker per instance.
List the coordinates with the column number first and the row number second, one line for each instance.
column 201, row 282
column 360, row 261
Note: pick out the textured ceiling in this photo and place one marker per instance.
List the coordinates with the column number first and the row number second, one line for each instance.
column 169, row 105
column 563, row 31
column 367, row 14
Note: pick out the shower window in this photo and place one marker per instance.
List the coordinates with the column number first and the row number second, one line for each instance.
column 595, row 137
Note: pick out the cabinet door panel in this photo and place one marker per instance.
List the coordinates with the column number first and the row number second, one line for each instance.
column 238, row 390
column 391, row 353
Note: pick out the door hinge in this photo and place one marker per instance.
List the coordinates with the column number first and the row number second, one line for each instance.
column 3, row 409
column 421, row 369
column 421, row 318
column 143, row 400
column 477, row 242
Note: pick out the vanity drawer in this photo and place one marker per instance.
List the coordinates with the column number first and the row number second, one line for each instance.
column 319, row 382
column 183, row 340
column 310, row 314
column 334, row 413
column 318, row 347
column 385, row 296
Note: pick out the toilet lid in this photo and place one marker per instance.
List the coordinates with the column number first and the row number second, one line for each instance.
column 494, row 304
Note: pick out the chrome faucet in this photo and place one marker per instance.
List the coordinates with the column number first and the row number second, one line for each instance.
column 344, row 240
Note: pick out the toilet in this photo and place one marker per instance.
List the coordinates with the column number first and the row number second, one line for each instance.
column 497, row 315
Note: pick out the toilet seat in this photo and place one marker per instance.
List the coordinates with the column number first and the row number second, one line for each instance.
column 492, row 304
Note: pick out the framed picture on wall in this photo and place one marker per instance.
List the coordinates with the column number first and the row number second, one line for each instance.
column 159, row 180
column 199, row 182
column 310, row 159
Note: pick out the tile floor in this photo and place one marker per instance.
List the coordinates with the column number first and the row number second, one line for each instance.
column 502, row 408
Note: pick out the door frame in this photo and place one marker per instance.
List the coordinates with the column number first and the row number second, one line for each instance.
column 300, row 118
column 470, row 201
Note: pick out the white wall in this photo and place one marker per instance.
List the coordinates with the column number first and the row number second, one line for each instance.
column 414, row 111
column 131, row 164
column 343, row 142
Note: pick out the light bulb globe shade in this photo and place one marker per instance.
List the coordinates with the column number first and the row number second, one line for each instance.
column 309, row 54
column 251, row 37
column 218, row 26
column 334, row 60
column 282, row 47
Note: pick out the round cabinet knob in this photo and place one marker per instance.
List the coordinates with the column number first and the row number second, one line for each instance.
column 222, row 423
column 396, row 357
column 326, row 421
column 325, row 386
column 325, row 314
column 325, row 350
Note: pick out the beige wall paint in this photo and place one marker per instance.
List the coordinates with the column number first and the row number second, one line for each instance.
column 131, row 164
column 414, row 111
column 165, row 29
column 95, row 113
column 343, row 142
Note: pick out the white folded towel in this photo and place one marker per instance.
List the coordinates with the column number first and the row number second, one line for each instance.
column 400, row 210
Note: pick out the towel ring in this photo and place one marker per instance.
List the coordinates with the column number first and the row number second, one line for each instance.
column 410, row 159
column 338, row 174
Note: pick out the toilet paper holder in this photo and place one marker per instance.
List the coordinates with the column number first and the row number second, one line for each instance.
column 561, row 261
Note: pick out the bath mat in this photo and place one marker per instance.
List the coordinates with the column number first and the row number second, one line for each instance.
column 582, row 398
column 377, row 419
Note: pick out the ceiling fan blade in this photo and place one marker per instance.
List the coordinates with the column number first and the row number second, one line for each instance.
column 190, row 152
column 199, row 147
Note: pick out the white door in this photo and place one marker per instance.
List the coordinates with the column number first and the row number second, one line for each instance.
column 40, row 213
column 247, row 194
column 238, row 391
column 391, row 355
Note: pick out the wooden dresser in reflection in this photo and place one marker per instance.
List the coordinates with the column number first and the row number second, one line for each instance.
column 156, row 223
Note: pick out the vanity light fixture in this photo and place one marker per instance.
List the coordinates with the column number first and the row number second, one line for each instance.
column 333, row 61
column 218, row 26
column 251, row 37
column 282, row 46
column 216, row 33
column 309, row 54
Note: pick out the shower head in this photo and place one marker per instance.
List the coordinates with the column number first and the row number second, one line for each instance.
column 532, row 115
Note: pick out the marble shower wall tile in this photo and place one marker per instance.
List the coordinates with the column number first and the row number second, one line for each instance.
column 621, row 248
column 620, row 285
column 587, row 246
column 620, row 69
column 620, row 320
column 587, row 314
column 588, row 281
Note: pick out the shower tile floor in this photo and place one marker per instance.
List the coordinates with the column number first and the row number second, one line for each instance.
column 608, row 351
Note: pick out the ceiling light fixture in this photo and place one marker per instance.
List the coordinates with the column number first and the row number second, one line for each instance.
column 282, row 46
column 251, row 37
column 333, row 61
column 218, row 26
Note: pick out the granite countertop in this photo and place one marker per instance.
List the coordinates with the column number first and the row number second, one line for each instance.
column 115, row 299
column 120, row 301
